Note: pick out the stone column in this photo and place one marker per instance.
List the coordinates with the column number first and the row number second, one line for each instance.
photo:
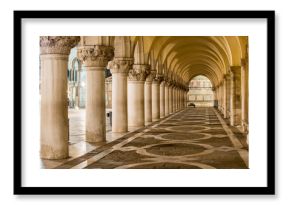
column 54, row 51
column 120, row 68
column 173, row 99
column 245, row 95
column 225, row 95
column 219, row 97
column 155, row 99
column 162, row 99
column 148, row 96
column 233, row 104
column 136, row 80
column 235, row 95
column 78, row 90
column 222, row 97
column 170, row 91
column 177, row 99
column 185, row 98
column 95, row 58
column 166, row 99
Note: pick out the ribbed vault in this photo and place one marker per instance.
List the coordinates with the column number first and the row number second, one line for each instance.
column 181, row 58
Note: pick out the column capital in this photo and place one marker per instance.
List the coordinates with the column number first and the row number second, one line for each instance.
column 167, row 83
column 139, row 72
column 95, row 55
column 57, row 44
column 244, row 62
column 235, row 69
column 121, row 65
column 172, row 84
column 158, row 79
column 151, row 76
column 227, row 76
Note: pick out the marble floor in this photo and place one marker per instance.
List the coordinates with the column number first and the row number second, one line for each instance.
column 194, row 138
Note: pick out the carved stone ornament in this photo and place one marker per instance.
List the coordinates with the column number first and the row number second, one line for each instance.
column 172, row 83
column 95, row 56
column 121, row 65
column 158, row 78
column 139, row 72
column 57, row 44
column 227, row 76
column 151, row 76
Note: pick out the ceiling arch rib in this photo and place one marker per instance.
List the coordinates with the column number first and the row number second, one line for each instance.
column 200, row 69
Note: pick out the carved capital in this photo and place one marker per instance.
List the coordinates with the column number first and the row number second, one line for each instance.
column 151, row 76
column 95, row 56
column 244, row 62
column 121, row 65
column 57, row 44
column 235, row 69
column 166, row 83
column 227, row 77
column 158, row 78
column 139, row 72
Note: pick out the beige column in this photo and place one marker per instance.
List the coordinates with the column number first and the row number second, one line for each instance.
column 177, row 99
column 120, row 68
column 226, row 95
column 180, row 99
column 235, row 95
column 77, row 89
column 217, row 96
column 166, row 99
column 222, row 97
column 148, row 97
column 185, row 98
column 54, row 51
column 233, row 104
column 136, row 79
column 155, row 100
column 170, row 93
column 245, row 95
column 174, row 99
column 162, row 99
column 95, row 58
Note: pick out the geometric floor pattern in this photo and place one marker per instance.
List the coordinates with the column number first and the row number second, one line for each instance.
column 194, row 138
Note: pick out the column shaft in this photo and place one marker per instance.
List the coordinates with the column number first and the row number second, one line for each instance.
column 244, row 87
column 166, row 99
column 119, row 102
column 162, row 99
column 54, row 111
column 155, row 101
column 170, row 108
column 148, row 101
column 95, row 105
column 135, row 103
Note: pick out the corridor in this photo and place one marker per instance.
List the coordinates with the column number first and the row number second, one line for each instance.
column 193, row 138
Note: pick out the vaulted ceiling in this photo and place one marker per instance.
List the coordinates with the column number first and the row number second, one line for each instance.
column 180, row 58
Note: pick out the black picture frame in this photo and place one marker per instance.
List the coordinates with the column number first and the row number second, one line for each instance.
column 267, row 190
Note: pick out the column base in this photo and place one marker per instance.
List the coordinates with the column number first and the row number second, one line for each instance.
column 48, row 152
column 93, row 137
